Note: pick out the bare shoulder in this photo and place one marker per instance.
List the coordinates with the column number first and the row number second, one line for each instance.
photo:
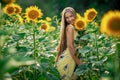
column 70, row 27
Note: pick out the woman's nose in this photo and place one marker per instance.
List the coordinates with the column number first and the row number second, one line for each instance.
column 70, row 19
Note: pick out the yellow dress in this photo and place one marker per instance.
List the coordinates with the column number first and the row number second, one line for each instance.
column 66, row 64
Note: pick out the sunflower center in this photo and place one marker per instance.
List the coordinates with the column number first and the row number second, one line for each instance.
column 17, row 10
column 10, row 10
column 114, row 24
column 44, row 26
column 91, row 15
column 33, row 14
column 80, row 24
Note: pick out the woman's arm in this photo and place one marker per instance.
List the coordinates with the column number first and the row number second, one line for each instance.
column 58, row 53
column 70, row 43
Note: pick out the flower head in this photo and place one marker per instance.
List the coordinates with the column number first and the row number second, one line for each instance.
column 80, row 24
column 33, row 13
column 48, row 19
column 110, row 23
column 45, row 27
column 9, row 9
column 90, row 15
column 52, row 28
column 18, row 9
column 12, row 9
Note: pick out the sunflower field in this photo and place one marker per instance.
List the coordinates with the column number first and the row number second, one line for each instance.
column 28, row 42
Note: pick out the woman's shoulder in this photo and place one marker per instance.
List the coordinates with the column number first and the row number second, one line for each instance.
column 70, row 27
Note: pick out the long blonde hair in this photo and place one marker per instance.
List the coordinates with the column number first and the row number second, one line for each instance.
column 63, row 43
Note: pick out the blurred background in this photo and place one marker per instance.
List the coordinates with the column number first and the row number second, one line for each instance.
column 26, row 50
column 54, row 7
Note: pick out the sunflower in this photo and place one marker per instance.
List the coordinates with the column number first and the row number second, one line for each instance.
column 80, row 24
column 18, row 9
column 90, row 14
column 52, row 28
column 78, row 15
column 33, row 13
column 9, row 9
column 48, row 19
column 110, row 23
column 45, row 27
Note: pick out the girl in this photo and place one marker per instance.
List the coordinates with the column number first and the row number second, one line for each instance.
column 66, row 59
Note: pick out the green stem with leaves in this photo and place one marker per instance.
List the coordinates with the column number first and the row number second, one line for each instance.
column 96, row 45
column 34, row 40
column 97, row 52
column 117, row 62
column 34, row 47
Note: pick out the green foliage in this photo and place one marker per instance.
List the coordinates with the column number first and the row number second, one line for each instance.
column 27, row 51
column 95, row 53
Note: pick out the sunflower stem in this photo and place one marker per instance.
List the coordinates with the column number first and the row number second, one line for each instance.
column 96, row 45
column 34, row 41
column 34, row 44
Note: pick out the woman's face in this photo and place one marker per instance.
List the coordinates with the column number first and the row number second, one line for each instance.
column 69, row 17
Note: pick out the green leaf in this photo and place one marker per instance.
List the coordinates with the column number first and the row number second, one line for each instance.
column 118, row 47
column 18, row 36
column 85, row 50
column 11, row 63
column 44, row 60
column 22, row 49
column 85, row 37
column 81, row 69
column 42, row 78
column 41, row 39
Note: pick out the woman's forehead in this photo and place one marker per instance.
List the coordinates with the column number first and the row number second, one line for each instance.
column 69, row 14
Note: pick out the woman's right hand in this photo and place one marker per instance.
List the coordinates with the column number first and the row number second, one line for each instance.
column 79, row 62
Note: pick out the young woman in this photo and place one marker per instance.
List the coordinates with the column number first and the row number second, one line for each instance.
column 66, row 59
